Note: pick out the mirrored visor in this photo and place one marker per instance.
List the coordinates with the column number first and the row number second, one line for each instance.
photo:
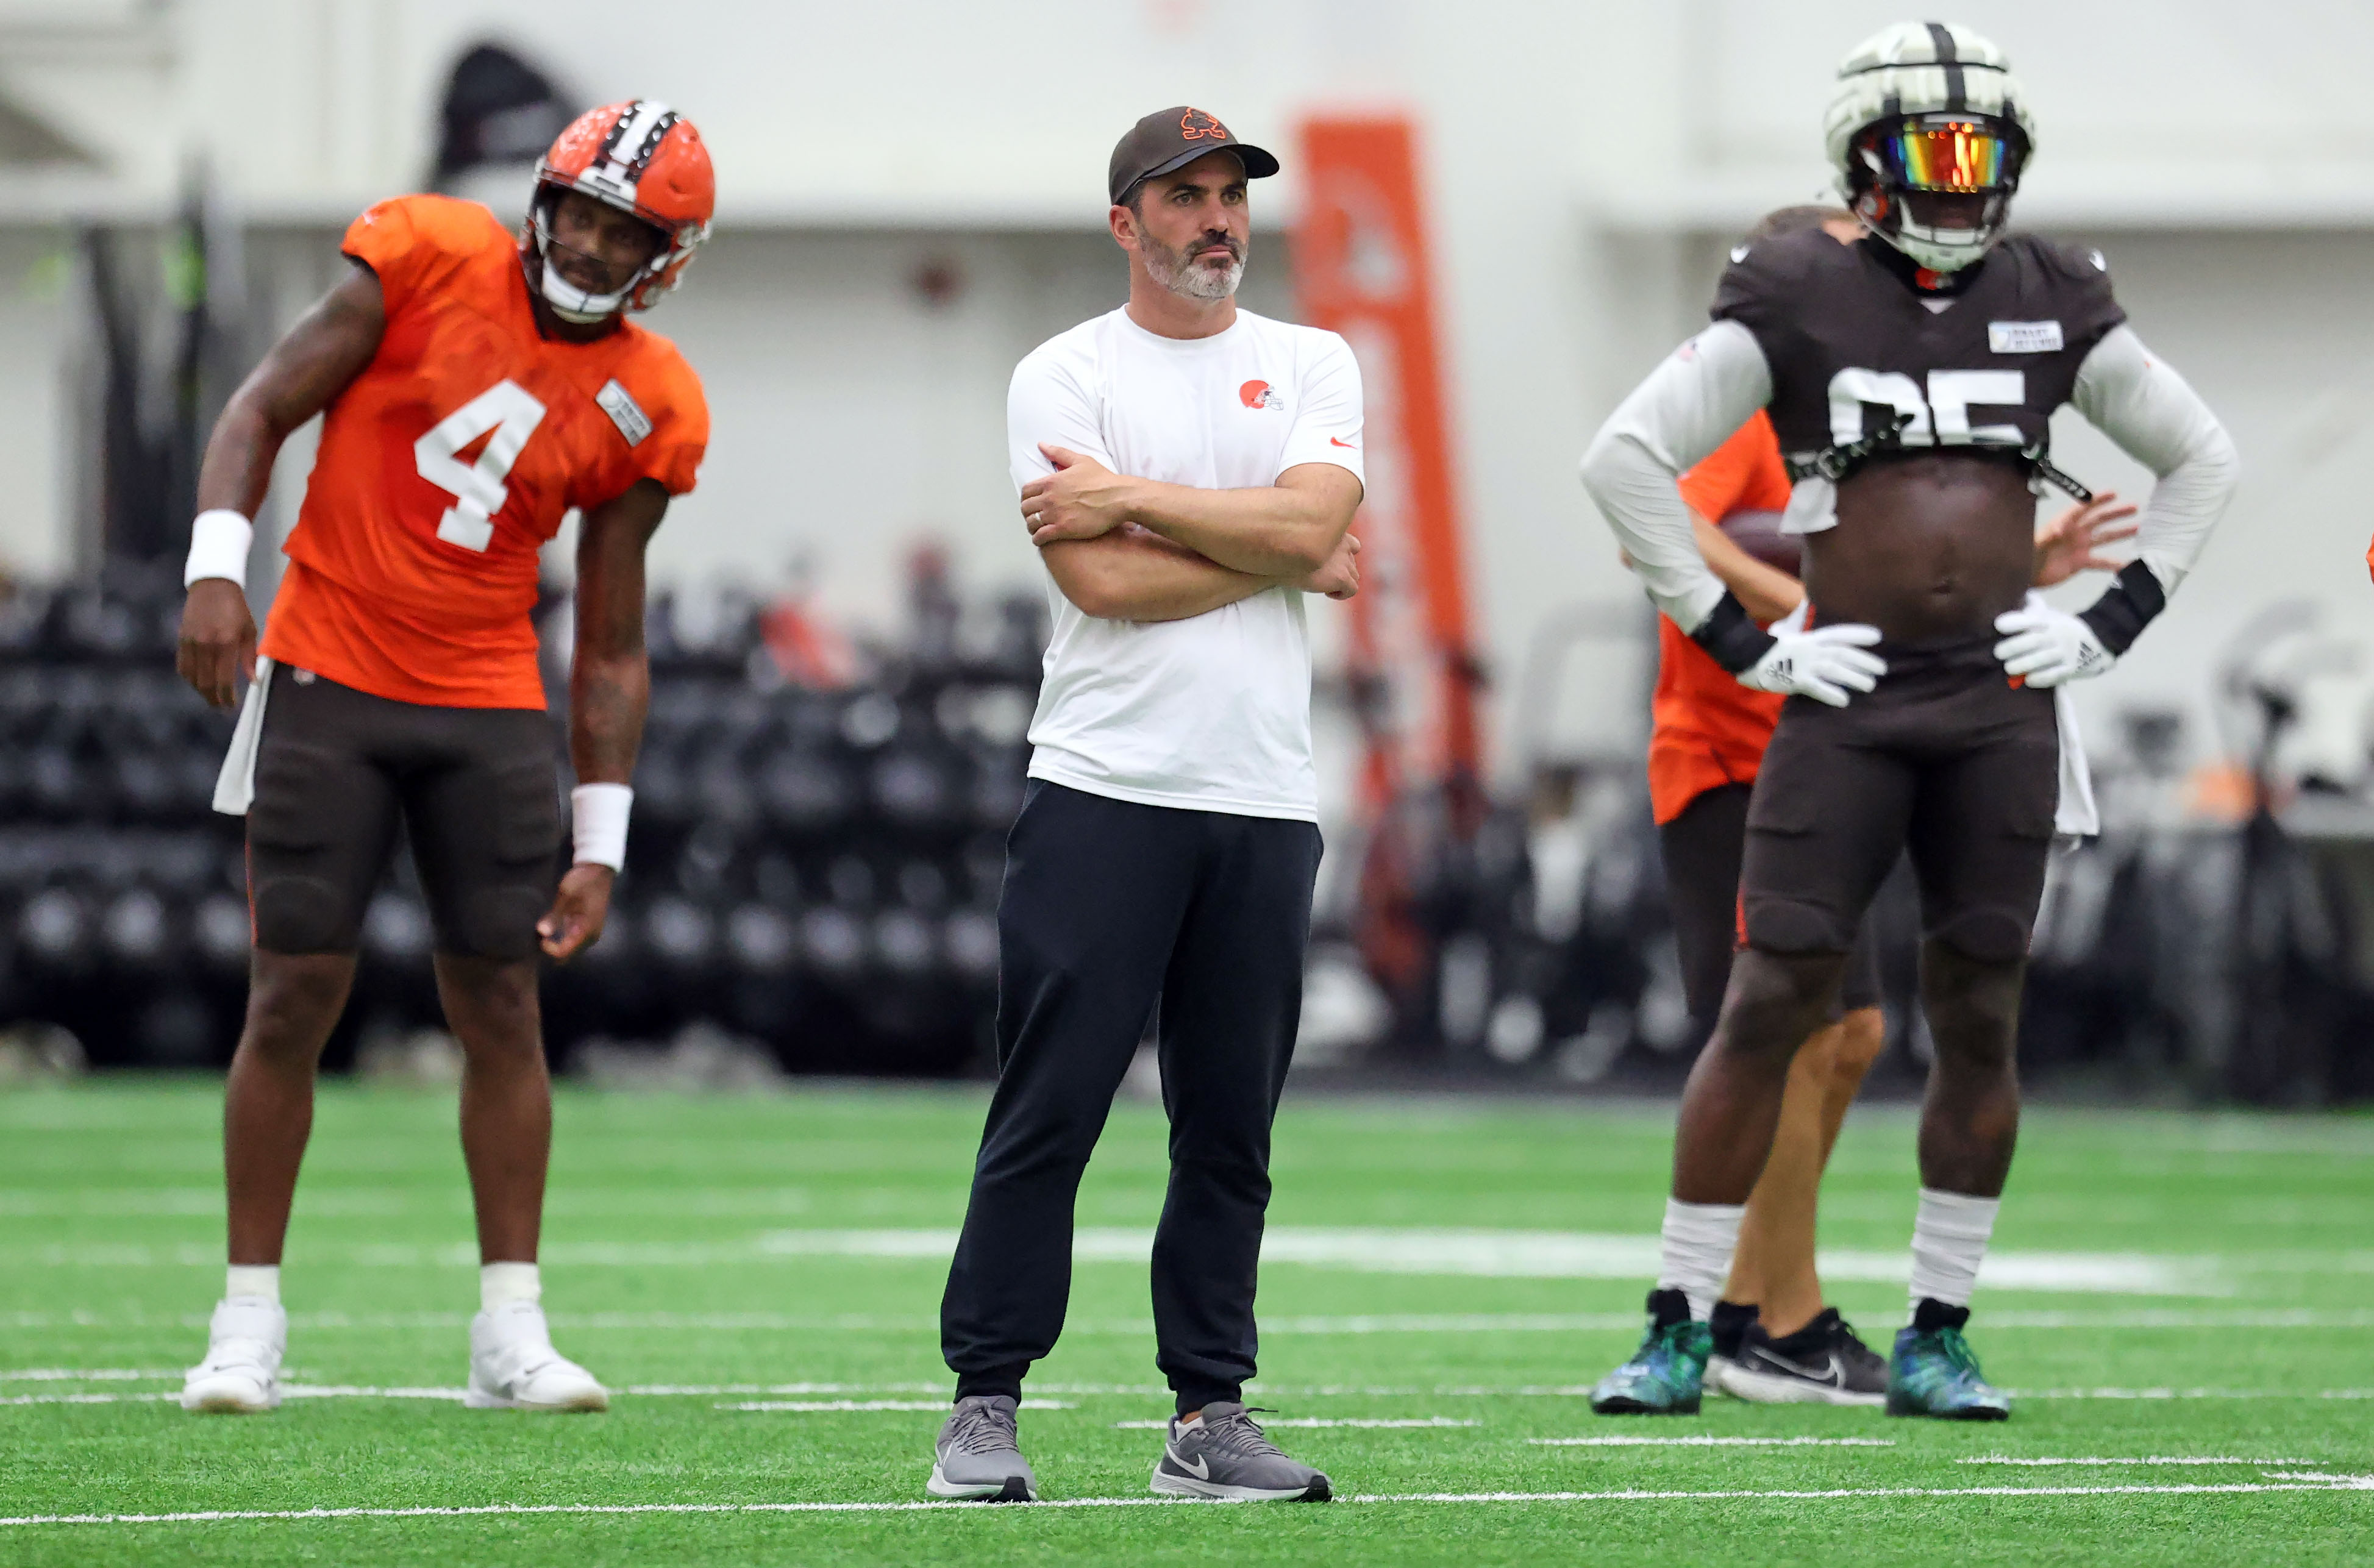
column 1952, row 155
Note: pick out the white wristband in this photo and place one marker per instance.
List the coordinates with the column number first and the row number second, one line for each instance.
column 598, row 812
column 218, row 546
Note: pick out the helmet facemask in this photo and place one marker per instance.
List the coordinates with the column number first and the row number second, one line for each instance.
column 1937, row 187
column 569, row 302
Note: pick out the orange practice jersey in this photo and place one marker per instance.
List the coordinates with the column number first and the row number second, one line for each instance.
column 1708, row 730
column 451, row 459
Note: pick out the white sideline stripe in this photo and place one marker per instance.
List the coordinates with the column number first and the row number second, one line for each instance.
column 1716, row 1442
column 2148, row 1459
column 1309, row 1422
column 69, row 1374
column 823, row 1406
column 2333, row 1483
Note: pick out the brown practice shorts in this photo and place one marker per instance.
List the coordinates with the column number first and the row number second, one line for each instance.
column 1947, row 760
column 477, row 790
column 1703, row 848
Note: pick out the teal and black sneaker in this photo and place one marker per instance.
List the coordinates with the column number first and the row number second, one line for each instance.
column 1667, row 1374
column 1935, row 1372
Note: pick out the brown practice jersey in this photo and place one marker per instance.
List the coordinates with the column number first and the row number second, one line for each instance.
column 1854, row 344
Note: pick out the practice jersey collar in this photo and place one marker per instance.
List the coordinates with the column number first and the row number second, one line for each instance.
column 1925, row 284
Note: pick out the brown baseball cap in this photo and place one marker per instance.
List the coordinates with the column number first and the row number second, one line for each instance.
column 1173, row 138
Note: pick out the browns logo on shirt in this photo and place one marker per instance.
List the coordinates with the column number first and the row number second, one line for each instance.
column 450, row 461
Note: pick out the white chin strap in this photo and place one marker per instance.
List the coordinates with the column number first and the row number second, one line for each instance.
column 1941, row 249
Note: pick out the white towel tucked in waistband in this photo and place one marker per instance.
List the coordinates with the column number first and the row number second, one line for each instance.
column 235, row 785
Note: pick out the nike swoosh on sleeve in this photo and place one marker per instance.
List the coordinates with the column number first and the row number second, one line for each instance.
column 1339, row 441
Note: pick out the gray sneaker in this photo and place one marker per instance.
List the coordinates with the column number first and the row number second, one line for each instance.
column 1226, row 1456
column 976, row 1457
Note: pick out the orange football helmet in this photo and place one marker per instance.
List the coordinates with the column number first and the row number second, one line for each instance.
column 642, row 157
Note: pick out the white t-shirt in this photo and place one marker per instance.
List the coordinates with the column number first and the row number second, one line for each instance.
column 1211, row 714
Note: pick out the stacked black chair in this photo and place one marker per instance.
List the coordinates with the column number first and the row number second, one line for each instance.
column 816, row 869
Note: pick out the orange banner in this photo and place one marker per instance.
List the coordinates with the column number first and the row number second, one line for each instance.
column 1362, row 270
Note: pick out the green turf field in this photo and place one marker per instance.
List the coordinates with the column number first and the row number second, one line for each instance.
column 758, row 1278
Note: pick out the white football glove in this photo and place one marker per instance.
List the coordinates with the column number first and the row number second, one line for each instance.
column 2049, row 647
column 1826, row 664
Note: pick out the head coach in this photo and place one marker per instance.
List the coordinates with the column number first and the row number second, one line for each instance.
column 1188, row 471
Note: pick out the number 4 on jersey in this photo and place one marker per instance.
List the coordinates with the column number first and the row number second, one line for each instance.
column 478, row 492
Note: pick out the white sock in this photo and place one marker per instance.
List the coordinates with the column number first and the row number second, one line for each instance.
column 1697, row 1242
column 1949, row 1237
column 502, row 1283
column 253, row 1279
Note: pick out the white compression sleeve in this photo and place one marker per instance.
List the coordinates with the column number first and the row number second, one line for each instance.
column 2138, row 400
column 1950, row 1232
column 1690, row 405
column 1695, row 1250
column 502, row 1283
column 253, row 1279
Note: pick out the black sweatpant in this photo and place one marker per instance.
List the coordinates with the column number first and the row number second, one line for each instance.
column 1107, row 905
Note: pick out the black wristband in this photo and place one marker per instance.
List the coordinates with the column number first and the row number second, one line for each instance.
column 2119, row 616
column 1731, row 638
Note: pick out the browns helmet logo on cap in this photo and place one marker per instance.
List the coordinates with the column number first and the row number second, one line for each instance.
column 1173, row 138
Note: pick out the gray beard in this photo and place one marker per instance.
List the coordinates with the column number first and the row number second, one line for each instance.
column 1191, row 278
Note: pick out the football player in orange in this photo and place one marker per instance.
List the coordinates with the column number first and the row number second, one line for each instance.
column 477, row 384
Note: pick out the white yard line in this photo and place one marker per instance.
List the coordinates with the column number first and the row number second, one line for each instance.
column 1357, row 1324
column 2147, row 1459
column 811, row 1407
column 1422, row 1422
column 2335, row 1483
column 1712, row 1441
column 70, row 1375
column 1361, row 1324
column 2277, row 1317
column 1544, row 1254
column 1130, row 1390
column 1559, row 1254
column 2191, row 1393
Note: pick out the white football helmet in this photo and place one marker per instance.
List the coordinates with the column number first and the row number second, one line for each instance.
column 1928, row 125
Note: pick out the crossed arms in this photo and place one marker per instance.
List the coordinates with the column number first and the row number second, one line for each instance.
column 1123, row 548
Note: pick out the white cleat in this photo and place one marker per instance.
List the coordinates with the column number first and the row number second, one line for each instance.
column 515, row 1367
column 241, row 1373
